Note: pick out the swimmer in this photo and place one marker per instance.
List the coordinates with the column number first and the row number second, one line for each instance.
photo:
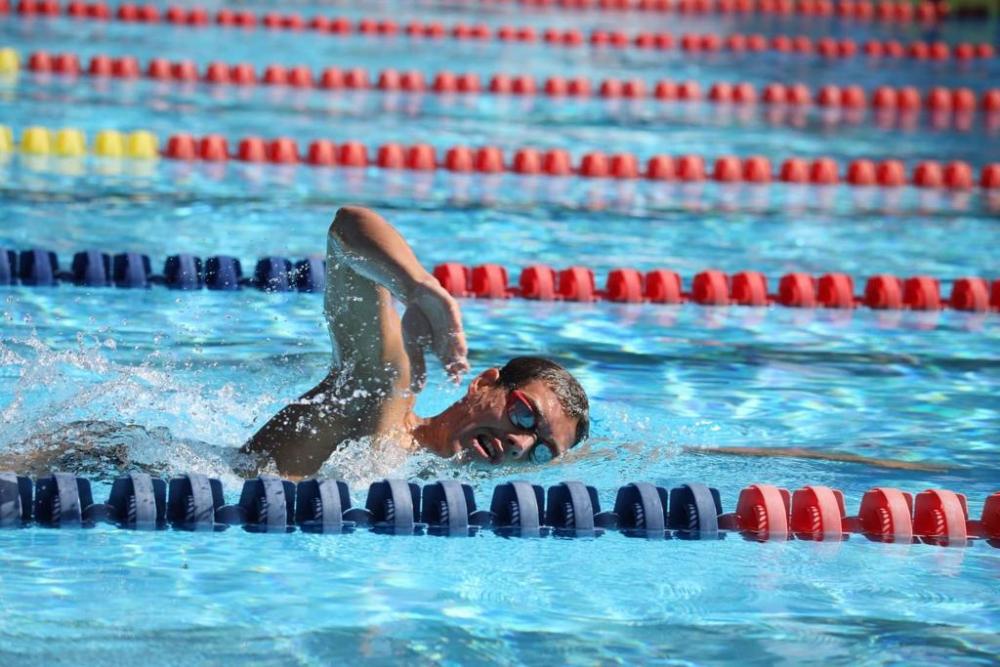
column 531, row 409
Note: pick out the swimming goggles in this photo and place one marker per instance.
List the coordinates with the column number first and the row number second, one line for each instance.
column 521, row 414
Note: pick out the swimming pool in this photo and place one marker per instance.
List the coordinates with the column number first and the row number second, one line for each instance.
column 170, row 382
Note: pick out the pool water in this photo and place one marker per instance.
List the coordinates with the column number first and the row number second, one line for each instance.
column 103, row 381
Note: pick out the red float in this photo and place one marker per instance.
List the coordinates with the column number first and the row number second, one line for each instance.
column 922, row 293
column 890, row 173
column 275, row 75
column 181, row 147
column 710, row 288
column 662, row 286
column 322, row 153
column 886, row 514
column 489, row 160
column 727, row 169
column 489, row 281
column 884, row 292
column 125, row 67
column 454, row 278
column 538, row 282
column 757, row 169
column 352, row 154
column 970, row 294
column 823, row 171
column 556, row 163
column 527, row 161
column 213, row 148
column 577, row 284
column 390, row 156
column 623, row 166
column 958, row 175
column 941, row 515
column 159, row 69
column 797, row 290
column 690, row 168
column 928, row 174
column 185, row 70
column 282, row 151
column 660, row 168
column 331, row 79
column 749, row 288
column 300, row 76
column 818, row 513
column 41, row 62
column 624, row 286
column 764, row 510
column 251, row 149
column 836, row 290
column 243, row 74
column 861, row 173
column 459, row 159
column 794, row 170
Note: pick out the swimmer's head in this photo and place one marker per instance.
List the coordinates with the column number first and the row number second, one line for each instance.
column 532, row 409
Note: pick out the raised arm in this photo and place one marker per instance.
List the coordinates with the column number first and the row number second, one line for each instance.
column 364, row 253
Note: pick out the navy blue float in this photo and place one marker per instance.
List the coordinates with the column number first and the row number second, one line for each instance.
column 38, row 268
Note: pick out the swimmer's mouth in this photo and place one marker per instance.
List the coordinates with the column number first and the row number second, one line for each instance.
column 488, row 448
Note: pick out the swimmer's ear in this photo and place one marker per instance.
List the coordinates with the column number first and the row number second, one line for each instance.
column 488, row 378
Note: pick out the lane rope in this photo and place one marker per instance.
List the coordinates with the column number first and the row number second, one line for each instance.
column 38, row 267
column 692, row 510
column 861, row 10
column 937, row 100
column 756, row 169
column 688, row 43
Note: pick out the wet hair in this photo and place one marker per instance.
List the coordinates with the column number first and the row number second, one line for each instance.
column 519, row 371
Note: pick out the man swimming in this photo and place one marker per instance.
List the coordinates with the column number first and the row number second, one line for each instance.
column 531, row 409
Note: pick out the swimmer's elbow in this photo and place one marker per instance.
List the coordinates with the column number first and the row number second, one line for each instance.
column 349, row 223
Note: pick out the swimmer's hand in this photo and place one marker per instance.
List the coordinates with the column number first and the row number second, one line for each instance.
column 433, row 319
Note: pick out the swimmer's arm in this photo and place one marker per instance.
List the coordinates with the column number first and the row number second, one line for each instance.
column 375, row 252
column 371, row 247
column 800, row 453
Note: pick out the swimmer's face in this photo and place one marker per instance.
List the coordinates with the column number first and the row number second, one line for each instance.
column 498, row 425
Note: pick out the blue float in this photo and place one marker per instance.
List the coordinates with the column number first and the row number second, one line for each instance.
column 38, row 268
column 310, row 275
column 132, row 270
column 223, row 272
column 273, row 274
column 183, row 272
column 91, row 268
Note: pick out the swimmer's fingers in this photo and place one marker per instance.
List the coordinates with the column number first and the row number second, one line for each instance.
column 416, row 336
column 453, row 354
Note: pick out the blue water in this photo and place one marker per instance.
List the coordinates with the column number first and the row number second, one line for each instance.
column 170, row 382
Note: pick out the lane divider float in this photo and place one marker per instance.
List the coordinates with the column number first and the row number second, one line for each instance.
column 72, row 142
column 691, row 510
column 938, row 99
column 688, row 43
column 862, row 10
column 756, row 170
column 38, row 267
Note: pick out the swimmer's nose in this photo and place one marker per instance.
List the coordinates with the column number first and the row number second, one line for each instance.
column 518, row 444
